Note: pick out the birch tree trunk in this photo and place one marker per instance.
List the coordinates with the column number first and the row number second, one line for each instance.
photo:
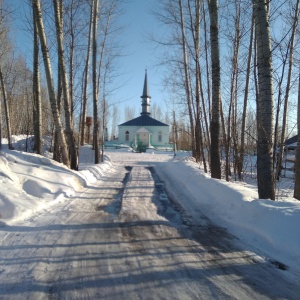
column 207, row 65
column 215, row 164
column 85, row 84
column 71, row 64
column 0, row 125
column 56, row 151
column 187, row 79
column 264, row 103
column 102, row 79
column 231, row 123
column 7, row 114
column 48, row 70
column 207, row 119
column 95, row 85
column 297, row 162
column 195, row 29
column 65, row 86
column 37, row 102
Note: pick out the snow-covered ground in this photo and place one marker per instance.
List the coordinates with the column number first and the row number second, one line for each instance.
column 29, row 183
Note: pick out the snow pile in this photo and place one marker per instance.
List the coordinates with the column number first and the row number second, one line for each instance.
column 271, row 226
column 30, row 182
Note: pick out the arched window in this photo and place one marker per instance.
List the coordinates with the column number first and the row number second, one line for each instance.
column 160, row 136
column 127, row 136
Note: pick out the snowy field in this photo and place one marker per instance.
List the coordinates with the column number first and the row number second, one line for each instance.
column 30, row 183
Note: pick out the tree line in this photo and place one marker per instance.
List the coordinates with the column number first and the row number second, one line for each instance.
column 231, row 68
column 74, row 58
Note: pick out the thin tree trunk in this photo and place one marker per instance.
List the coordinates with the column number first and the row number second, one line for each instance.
column 103, row 45
column 7, row 114
column 279, row 100
column 297, row 162
column 0, row 125
column 187, row 80
column 264, row 103
column 231, row 138
column 103, row 128
column 287, row 92
column 37, row 102
column 101, row 61
column 65, row 86
column 205, row 115
column 195, row 29
column 56, row 148
column 224, row 135
column 46, row 57
column 85, row 85
column 95, row 86
column 242, row 148
column 175, row 134
column 207, row 65
column 71, row 66
column 215, row 164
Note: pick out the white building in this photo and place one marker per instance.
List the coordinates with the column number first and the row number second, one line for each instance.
column 144, row 131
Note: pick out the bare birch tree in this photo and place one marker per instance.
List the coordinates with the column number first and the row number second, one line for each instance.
column 86, row 76
column 187, row 77
column 3, row 49
column 37, row 102
column 297, row 162
column 6, row 108
column 195, row 30
column 95, row 84
column 0, row 125
column 65, row 86
column 264, row 103
column 215, row 164
column 36, row 5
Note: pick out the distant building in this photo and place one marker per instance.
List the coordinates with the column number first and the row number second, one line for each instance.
column 291, row 143
column 144, row 131
column 289, row 157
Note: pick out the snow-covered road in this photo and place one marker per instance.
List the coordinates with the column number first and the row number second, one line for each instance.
column 124, row 238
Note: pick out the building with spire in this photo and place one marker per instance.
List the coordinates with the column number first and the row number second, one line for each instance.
column 144, row 131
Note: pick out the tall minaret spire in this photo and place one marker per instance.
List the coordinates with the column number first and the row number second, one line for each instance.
column 145, row 97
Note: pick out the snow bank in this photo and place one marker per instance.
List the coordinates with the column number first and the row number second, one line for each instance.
column 30, row 182
column 271, row 226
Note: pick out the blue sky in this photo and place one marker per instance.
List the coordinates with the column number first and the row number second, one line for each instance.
column 139, row 52
column 141, row 55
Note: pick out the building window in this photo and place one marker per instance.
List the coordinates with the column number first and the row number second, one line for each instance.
column 160, row 136
column 127, row 136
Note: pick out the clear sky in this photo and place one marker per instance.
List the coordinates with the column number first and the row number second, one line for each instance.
column 139, row 52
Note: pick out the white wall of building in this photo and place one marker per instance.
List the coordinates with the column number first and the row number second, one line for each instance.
column 155, row 132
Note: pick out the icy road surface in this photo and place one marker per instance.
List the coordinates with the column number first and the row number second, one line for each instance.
column 123, row 238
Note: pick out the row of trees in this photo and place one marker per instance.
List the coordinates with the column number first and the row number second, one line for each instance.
column 230, row 68
column 74, row 57
column 225, row 58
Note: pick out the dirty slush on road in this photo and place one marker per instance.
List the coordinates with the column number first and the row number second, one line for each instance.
column 124, row 238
